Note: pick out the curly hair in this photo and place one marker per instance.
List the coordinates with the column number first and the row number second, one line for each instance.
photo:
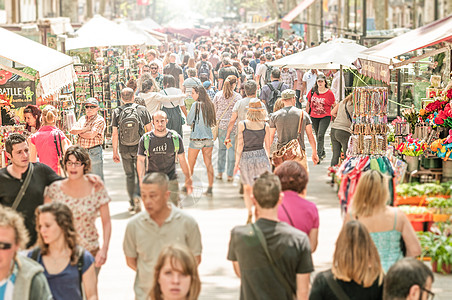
column 81, row 155
column 182, row 255
column 11, row 218
column 65, row 220
column 292, row 175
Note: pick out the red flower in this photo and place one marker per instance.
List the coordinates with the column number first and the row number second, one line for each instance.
column 449, row 94
column 4, row 76
column 432, row 94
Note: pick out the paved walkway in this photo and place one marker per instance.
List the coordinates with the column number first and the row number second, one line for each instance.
column 216, row 217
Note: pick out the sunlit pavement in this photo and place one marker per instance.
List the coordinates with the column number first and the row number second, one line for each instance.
column 216, row 217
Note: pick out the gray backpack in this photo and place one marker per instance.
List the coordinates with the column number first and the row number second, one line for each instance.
column 130, row 127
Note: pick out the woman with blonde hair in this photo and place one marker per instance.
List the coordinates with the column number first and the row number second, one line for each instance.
column 389, row 227
column 69, row 268
column 356, row 272
column 253, row 149
column 49, row 143
column 224, row 102
column 176, row 275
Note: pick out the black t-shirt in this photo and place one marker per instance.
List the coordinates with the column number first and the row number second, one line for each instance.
column 143, row 113
column 226, row 71
column 42, row 176
column 320, row 289
column 162, row 155
column 289, row 248
column 173, row 69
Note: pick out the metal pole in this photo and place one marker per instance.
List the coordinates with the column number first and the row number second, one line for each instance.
column 399, row 92
column 364, row 20
column 436, row 15
column 321, row 20
column 356, row 15
column 340, row 84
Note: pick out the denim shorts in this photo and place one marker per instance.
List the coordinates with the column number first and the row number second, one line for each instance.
column 200, row 144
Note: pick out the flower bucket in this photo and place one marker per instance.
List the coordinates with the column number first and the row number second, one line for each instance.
column 413, row 163
column 445, row 269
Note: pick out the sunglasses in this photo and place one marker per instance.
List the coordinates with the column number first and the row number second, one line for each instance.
column 90, row 106
column 154, row 68
column 5, row 246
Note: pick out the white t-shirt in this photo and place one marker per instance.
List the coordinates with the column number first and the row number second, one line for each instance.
column 172, row 92
column 310, row 80
column 261, row 70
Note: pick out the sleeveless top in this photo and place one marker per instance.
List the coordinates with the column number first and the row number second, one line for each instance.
column 388, row 246
column 253, row 139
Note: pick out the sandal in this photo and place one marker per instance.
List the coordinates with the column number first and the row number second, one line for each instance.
column 219, row 176
column 230, row 179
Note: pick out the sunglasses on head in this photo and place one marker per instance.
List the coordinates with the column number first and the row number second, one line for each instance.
column 5, row 246
column 90, row 106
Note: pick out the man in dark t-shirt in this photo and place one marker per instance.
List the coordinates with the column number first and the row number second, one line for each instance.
column 158, row 150
column 225, row 71
column 173, row 69
column 288, row 247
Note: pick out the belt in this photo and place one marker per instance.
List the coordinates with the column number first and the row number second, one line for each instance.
column 197, row 140
column 93, row 147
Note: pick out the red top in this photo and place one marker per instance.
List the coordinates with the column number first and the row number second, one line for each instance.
column 45, row 145
column 321, row 104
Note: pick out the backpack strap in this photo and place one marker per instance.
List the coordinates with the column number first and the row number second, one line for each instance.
column 175, row 137
column 147, row 143
column 280, row 86
column 270, row 85
column 80, row 263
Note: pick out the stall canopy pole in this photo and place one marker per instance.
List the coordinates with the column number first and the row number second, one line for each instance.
column 340, row 83
column 12, row 70
column 419, row 57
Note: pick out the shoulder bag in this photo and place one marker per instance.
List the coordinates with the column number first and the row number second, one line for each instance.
column 24, row 187
column 335, row 287
column 215, row 128
column 292, row 150
column 275, row 269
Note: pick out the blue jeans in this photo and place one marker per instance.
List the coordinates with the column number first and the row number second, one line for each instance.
column 97, row 161
column 224, row 153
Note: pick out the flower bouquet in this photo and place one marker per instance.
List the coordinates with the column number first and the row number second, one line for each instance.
column 411, row 117
column 412, row 147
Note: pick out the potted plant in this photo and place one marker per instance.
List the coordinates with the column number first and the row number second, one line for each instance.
column 412, row 149
column 438, row 246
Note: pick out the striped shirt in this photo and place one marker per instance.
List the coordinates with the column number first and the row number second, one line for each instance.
column 7, row 285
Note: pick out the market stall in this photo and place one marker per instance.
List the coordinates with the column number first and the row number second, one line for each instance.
column 31, row 74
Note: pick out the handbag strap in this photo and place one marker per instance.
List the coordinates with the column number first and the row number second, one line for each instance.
column 23, row 188
column 287, row 214
column 300, row 126
column 335, row 287
column 277, row 272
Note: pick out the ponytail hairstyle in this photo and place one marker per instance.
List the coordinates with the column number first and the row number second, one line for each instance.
column 49, row 115
column 207, row 107
column 228, row 88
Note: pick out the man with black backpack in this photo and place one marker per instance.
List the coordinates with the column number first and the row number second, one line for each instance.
column 204, row 67
column 272, row 90
column 129, row 123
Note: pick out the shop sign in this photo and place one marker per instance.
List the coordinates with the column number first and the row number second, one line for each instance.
column 375, row 70
column 23, row 92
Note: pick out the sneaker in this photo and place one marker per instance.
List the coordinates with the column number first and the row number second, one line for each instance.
column 209, row 193
column 322, row 157
column 137, row 204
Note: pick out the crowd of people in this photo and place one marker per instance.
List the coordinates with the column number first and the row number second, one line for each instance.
column 225, row 90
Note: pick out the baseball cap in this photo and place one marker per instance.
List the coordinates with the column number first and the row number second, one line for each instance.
column 287, row 94
column 206, row 84
column 92, row 101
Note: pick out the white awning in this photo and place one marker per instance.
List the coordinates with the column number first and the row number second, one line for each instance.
column 100, row 32
column 55, row 69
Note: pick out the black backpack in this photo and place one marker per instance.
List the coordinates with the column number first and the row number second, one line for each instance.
column 204, row 69
column 274, row 95
column 130, row 127
column 249, row 72
column 268, row 74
